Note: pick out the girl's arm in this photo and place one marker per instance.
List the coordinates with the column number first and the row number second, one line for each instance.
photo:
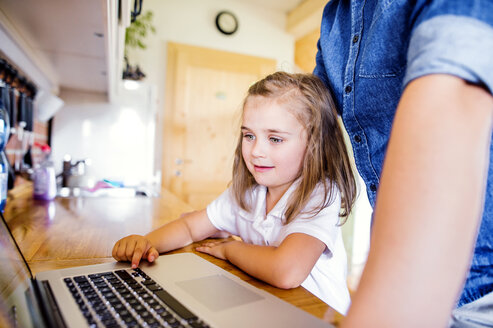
column 428, row 207
column 191, row 227
column 285, row 266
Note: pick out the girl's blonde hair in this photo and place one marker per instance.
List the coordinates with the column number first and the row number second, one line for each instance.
column 326, row 160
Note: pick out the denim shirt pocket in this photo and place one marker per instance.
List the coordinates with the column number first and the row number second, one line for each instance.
column 383, row 49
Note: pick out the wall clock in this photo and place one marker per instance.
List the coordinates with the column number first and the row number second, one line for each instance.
column 226, row 22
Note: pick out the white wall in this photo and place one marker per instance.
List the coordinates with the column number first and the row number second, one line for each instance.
column 118, row 138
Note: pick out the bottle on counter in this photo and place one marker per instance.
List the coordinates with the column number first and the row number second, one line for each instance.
column 4, row 166
column 45, row 176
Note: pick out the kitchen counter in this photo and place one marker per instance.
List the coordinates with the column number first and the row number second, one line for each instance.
column 77, row 231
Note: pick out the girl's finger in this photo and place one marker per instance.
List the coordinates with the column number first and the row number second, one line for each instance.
column 152, row 254
column 203, row 249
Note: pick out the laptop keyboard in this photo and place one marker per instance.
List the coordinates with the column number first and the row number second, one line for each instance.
column 128, row 298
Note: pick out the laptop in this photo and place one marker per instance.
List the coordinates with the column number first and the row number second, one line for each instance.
column 178, row 290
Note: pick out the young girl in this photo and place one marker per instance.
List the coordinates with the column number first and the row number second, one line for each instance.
column 292, row 182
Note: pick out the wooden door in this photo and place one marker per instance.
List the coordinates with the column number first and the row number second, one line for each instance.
column 205, row 89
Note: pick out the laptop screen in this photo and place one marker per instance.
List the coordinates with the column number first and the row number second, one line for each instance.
column 14, row 281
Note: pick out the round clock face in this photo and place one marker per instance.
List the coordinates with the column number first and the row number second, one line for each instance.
column 226, row 22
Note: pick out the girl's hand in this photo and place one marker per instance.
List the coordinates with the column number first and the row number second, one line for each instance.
column 133, row 248
column 216, row 249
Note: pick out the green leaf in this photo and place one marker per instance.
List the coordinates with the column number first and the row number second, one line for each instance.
column 139, row 30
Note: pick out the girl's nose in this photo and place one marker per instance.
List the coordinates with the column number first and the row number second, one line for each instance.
column 258, row 149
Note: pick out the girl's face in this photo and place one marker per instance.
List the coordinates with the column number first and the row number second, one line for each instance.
column 273, row 145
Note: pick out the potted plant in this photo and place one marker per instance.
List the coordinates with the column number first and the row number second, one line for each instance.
column 134, row 39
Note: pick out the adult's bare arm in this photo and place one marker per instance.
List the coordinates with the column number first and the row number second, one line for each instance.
column 429, row 205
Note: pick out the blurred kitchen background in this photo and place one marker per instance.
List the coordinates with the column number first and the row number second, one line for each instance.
column 172, row 121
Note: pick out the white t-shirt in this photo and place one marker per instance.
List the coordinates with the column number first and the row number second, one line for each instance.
column 327, row 280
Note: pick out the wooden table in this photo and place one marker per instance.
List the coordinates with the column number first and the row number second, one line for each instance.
column 69, row 232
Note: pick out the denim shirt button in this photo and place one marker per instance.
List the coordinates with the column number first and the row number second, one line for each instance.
column 357, row 138
column 373, row 187
column 348, row 89
column 355, row 38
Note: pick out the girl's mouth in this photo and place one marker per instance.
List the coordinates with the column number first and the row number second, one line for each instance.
column 259, row 168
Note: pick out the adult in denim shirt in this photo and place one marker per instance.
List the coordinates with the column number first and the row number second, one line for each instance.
column 423, row 69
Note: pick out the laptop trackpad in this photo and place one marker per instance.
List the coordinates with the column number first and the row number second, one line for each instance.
column 218, row 292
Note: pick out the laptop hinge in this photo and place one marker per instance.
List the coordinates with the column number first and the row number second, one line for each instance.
column 49, row 307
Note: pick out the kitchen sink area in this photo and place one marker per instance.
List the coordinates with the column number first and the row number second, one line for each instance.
column 113, row 192
column 74, row 181
column 124, row 192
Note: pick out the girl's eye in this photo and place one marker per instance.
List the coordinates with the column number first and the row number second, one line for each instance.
column 275, row 140
column 249, row 136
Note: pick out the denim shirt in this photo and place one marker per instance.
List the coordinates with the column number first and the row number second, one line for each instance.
column 370, row 50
